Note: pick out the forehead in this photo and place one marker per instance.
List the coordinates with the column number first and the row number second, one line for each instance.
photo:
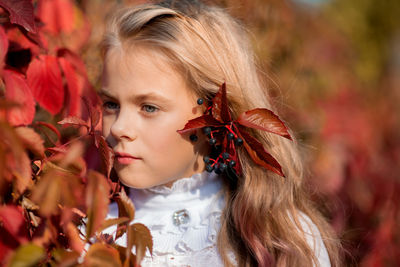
column 141, row 70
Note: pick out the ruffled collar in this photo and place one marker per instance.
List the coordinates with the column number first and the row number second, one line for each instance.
column 196, row 181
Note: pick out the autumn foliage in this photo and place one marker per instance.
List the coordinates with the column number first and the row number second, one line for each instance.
column 335, row 66
column 55, row 184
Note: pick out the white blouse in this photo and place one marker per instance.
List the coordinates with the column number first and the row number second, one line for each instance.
column 184, row 221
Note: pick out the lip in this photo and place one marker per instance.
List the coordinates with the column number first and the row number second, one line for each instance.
column 124, row 158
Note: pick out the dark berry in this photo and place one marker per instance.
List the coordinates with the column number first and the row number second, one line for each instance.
column 239, row 141
column 225, row 155
column 230, row 136
column 206, row 130
column 200, row 101
column 222, row 167
column 212, row 141
column 193, row 137
column 209, row 168
column 232, row 163
column 206, row 159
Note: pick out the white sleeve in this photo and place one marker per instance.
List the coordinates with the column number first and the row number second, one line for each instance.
column 314, row 240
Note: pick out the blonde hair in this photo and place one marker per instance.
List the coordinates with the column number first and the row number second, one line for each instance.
column 262, row 218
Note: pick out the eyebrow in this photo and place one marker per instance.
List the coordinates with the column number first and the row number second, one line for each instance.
column 139, row 98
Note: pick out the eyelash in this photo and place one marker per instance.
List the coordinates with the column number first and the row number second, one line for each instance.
column 154, row 109
column 107, row 105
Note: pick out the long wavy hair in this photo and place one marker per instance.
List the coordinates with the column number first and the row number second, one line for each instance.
column 266, row 219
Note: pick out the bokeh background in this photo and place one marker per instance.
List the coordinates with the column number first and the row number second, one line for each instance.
column 333, row 67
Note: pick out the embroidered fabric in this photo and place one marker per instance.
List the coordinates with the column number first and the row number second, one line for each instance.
column 192, row 243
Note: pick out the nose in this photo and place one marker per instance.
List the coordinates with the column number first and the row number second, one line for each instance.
column 123, row 128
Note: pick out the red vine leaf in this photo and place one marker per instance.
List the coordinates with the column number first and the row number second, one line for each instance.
column 257, row 152
column 102, row 255
column 74, row 91
column 139, row 236
column 17, row 90
column 3, row 47
column 106, row 152
column 31, row 140
column 57, row 15
column 110, row 222
column 13, row 229
column 125, row 209
column 96, row 202
column 199, row 122
column 72, row 234
column 220, row 109
column 21, row 13
column 265, row 120
column 74, row 121
column 44, row 78
column 50, row 127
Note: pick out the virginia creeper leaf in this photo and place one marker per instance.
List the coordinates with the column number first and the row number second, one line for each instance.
column 3, row 47
column 125, row 209
column 17, row 90
column 57, row 15
column 102, row 255
column 75, row 241
column 74, row 90
column 257, row 152
column 97, row 201
column 45, row 81
column 13, row 228
column 220, row 109
column 140, row 237
column 75, row 121
column 199, row 122
column 106, row 152
column 265, row 120
column 21, row 13
column 110, row 222
column 31, row 140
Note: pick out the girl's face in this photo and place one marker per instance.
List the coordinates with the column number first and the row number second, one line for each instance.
column 145, row 102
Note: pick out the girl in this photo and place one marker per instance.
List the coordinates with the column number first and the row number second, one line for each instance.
column 177, row 76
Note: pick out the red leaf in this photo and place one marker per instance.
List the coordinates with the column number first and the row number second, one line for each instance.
column 58, row 15
column 31, row 140
column 257, row 152
column 74, row 59
column 106, row 152
column 18, row 91
column 3, row 47
column 74, row 90
column 125, row 209
column 21, row 13
column 74, row 121
column 220, row 109
column 96, row 201
column 199, row 122
column 13, row 229
column 265, row 120
column 139, row 236
column 44, row 78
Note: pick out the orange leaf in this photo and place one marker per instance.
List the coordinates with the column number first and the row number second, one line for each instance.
column 125, row 209
column 96, row 201
column 102, row 255
column 31, row 140
column 140, row 237
column 17, row 90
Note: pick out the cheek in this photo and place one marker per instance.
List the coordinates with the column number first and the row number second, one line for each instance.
column 106, row 125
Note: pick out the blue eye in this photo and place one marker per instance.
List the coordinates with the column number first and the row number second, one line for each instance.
column 149, row 108
column 110, row 105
